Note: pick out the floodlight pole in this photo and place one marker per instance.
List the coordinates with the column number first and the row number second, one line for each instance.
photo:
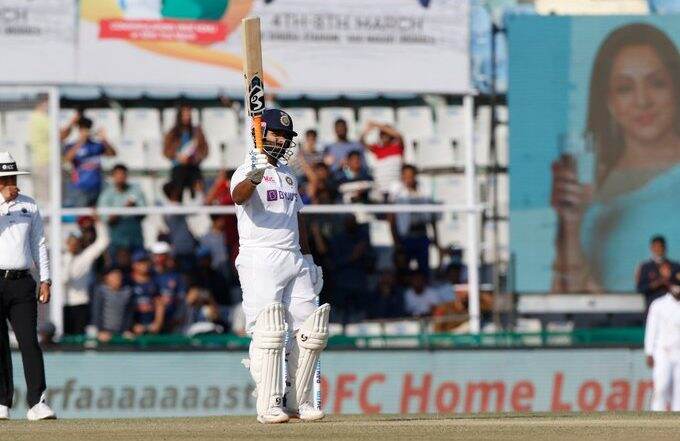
column 57, row 300
column 472, row 215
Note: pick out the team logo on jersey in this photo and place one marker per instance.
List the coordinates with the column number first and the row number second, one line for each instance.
column 289, row 180
column 272, row 195
column 285, row 120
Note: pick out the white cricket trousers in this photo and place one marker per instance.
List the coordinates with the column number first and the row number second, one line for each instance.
column 666, row 376
column 273, row 275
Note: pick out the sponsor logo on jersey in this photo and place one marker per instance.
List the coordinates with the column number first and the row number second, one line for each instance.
column 272, row 195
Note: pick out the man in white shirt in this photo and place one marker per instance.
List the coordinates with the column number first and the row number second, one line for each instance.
column 420, row 299
column 23, row 245
column 662, row 347
column 279, row 279
column 77, row 263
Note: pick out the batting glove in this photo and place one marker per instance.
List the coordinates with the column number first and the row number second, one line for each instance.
column 258, row 164
column 315, row 273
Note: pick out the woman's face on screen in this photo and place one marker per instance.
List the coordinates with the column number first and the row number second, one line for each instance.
column 641, row 96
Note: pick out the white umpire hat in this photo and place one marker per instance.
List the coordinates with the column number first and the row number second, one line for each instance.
column 8, row 166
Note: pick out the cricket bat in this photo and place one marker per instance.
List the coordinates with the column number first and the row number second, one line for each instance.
column 252, row 72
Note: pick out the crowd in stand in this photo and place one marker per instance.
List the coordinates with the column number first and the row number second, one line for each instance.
column 188, row 284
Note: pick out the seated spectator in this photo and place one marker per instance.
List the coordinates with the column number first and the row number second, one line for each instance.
column 219, row 194
column 185, row 145
column 170, row 283
column 409, row 229
column 214, row 241
column 112, row 306
column 84, row 156
column 387, row 301
column 420, row 298
column 200, row 314
column 78, row 274
column 354, row 181
column 389, row 152
column 351, row 258
column 125, row 231
column 335, row 154
column 206, row 277
column 148, row 308
column 307, row 155
column 322, row 187
column 181, row 239
column 653, row 276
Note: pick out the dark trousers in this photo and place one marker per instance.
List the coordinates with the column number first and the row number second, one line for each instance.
column 18, row 303
column 76, row 319
column 185, row 176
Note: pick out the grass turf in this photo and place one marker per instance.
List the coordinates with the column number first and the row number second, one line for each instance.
column 524, row 427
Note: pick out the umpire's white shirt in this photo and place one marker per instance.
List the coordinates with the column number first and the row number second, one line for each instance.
column 269, row 218
column 22, row 239
column 662, row 333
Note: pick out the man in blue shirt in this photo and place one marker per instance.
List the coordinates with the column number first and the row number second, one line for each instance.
column 148, row 308
column 335, row 154
column 170, row 283
column 84, row 155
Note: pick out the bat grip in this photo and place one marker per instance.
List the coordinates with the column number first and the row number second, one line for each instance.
column 257, row 128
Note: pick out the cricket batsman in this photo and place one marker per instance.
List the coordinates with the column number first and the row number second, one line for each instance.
column 279, row 279
column 662, row 347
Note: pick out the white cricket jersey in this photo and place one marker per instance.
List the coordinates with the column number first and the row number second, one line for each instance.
column 269, row 218
column 22, row 239
column 662, row 333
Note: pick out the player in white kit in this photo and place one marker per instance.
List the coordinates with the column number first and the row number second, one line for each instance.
column 662, row 347
column 279, row 279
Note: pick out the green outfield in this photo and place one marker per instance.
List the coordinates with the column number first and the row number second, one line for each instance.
column 526, row 427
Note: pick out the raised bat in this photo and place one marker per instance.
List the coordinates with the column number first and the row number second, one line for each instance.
column 252, row 72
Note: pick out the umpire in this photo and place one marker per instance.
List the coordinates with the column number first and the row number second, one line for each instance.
column 23, row 245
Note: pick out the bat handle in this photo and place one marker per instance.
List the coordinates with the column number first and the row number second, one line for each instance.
column 257, row 127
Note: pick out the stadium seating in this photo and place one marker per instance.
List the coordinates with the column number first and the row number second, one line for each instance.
column 141, row 137
column 482, row 135
column 384, row 115
column 16, row 135
column 438, row 152
column 327, row 118
column 221, row 128
column 365, row 329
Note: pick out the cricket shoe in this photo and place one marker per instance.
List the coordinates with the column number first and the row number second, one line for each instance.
column 306, row 412
column 275, row 415
column 41, row 411
column 4, row 413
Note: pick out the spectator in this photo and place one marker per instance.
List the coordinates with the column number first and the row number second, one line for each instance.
column 214, row 241
column 389, row 152
column 334, row 154
column 87, row 228
column 182, row 240
column 307, row 155
column 77, row 270
column 84, row 155
column 112, row 307
column 185, row 145
column 322, row 187
column 39, row 142
column 125, row 231
column 170, row 283
column 149, row 310
column 387, row 302
column 220, row 194
column 200, row 313
column 354, row 181
column 351, row 258
column 420, row 298
column 653, row 277
column 206, row 277
column 409, row 230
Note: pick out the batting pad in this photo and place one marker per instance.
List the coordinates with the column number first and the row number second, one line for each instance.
column 266, row 357
column 310, row 340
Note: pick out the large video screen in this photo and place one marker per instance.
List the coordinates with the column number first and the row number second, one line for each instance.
column 595, row 148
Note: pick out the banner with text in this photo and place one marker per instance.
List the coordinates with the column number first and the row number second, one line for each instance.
column 37, row 40
column 308, row 45
column 102, row 385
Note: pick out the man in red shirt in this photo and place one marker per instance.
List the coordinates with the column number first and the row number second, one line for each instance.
column 388, row 152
